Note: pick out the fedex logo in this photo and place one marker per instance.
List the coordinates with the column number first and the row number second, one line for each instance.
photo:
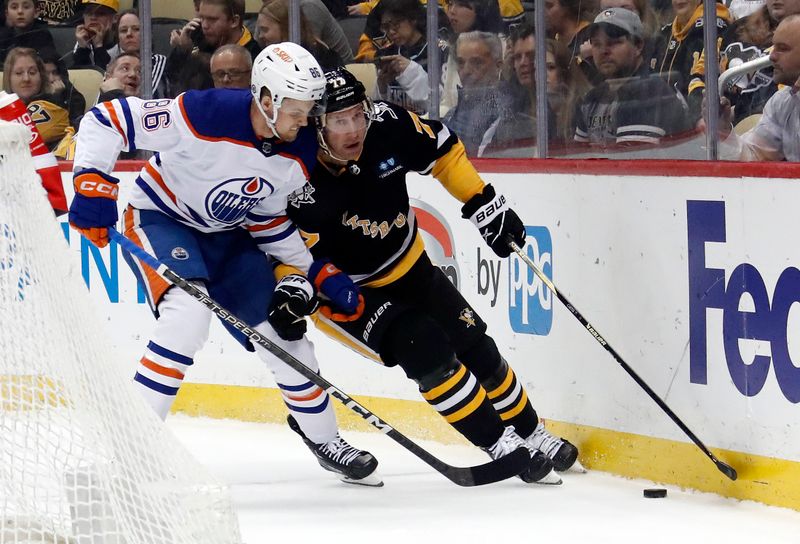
column 530, row 303
column 715, row 289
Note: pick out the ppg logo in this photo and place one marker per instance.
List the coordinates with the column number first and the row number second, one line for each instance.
column 530, row 303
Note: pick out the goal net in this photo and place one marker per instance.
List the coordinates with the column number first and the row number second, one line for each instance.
column 83, row 459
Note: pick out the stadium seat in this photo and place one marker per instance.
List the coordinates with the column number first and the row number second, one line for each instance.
column 87, row 81
column 252, row 6
column 63, row 38
column 366, row 74
column 746, row 124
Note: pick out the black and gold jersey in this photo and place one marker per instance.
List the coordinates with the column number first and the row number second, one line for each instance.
column 359, row 216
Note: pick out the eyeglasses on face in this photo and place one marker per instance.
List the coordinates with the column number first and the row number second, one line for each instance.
column 229, row 74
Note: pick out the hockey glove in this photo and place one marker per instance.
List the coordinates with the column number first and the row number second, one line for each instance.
column 292, row 300
column 94, row 207
column 495, row 220
column 347, row 304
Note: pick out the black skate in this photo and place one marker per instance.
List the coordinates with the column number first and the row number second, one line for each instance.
column 352, row 465
column 562, row 452
column 539, row 471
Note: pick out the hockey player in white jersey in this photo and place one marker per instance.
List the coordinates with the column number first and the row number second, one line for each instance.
column 210, row 204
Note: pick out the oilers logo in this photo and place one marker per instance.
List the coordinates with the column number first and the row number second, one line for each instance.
column 230, row 201
column 530, row 302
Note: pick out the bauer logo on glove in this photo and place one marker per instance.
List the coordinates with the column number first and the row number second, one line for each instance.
column 495, row 220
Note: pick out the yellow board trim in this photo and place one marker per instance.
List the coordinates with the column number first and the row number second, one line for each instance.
column 448, row 384
column 768, row 480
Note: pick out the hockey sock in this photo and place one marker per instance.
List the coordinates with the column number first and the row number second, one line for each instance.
column 511, row 401
column 181, row 330
column 462, row 402
column 310, row 405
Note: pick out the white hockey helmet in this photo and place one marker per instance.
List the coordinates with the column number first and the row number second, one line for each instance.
column 287, row 70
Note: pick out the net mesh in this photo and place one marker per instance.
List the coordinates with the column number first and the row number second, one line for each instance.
column 83, row 459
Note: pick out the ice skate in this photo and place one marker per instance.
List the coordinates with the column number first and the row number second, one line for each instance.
column 562, row 453
column 353, row 466
column 540, row 470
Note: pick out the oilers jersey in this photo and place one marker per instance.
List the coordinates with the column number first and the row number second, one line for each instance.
column 210, row 170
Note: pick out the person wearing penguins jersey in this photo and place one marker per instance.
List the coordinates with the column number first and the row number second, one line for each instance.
column 398, row 308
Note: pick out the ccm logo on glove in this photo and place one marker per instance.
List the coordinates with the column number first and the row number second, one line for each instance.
column 92, row 188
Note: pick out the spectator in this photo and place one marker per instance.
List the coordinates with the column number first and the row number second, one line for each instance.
column 22, row 28
column 375, row 38
column 123, row 78
column 128, row 32
column 679, row 48
column 231, row 65
column 96, row 41
column 774, row 138
column 324, row 25
column 465, row 16
column 219, row 22
column 566, row 84
column 402, row 78
column 511, row 11
column 61, row 87
column 628, row 105
column 24, row 74
column 273, row 27
column 747, row 39
column 644, row 9
column 567, row 22
column 60, row 12
column 483, row 115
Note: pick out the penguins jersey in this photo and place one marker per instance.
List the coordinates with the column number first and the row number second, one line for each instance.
column 359, row 217
column 210, row 170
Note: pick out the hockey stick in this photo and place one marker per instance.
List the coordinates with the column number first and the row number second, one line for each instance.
column 493, row 471
column 726, row 469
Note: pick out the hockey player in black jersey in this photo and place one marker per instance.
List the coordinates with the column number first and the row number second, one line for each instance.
column 356, row 217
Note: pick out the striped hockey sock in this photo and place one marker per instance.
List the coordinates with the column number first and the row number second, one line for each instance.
column 312, row 409
column 463, row 403
column 511, row 402
column 159, row 376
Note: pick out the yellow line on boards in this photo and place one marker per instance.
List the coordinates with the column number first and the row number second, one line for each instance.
column 764, row 479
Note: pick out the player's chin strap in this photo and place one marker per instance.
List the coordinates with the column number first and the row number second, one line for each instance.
column 494, row 471
column 270, row 122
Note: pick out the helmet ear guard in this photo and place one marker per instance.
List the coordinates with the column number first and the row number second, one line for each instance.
column 287, row 70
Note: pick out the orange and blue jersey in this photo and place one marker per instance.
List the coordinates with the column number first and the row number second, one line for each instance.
column 210, row 171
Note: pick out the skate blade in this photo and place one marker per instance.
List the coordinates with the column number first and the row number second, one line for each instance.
column 552, row 478
column 577, row 468
column 373, row 480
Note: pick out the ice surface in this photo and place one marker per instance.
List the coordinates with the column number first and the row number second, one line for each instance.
column 281, row 494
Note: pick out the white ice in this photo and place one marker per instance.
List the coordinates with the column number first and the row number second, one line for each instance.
column 282, row 495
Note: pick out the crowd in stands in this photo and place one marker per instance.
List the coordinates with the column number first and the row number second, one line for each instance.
column 620, row 74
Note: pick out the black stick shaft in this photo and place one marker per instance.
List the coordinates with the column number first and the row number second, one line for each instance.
column 728, row 470
column 500, row 469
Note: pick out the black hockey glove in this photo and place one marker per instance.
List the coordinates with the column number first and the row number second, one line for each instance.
column 495, row 220
column 292, row 300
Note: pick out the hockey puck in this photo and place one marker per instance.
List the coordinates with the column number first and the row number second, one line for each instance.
column 655, row 493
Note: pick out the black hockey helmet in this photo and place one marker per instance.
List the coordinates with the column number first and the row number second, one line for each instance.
column 343, row 90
